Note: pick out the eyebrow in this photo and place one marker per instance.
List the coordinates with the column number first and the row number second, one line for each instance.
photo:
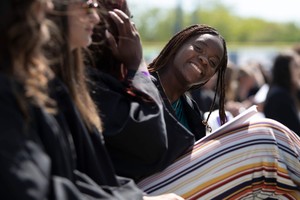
column 201, row 42
column 205, row 44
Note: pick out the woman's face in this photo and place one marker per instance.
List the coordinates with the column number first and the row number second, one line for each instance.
column 197, row 60
column 295, row 72
column 82, row 18
column 41, row 7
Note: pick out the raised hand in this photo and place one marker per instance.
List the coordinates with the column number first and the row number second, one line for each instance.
column 128, row 47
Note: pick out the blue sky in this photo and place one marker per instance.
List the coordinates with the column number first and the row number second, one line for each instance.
column 271, row 10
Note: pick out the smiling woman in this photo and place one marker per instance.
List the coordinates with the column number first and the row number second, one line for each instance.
column 235, row 163
column 187, row 62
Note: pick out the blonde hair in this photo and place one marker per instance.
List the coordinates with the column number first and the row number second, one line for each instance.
column 21, row 56
column 71, row 70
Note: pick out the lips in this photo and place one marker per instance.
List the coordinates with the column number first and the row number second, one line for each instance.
column 89, row 30
column 196, row 67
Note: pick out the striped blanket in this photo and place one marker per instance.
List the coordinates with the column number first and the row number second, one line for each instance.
column 256, row 160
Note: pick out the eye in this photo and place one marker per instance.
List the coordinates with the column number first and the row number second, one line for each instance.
column 213, row 63
column 198, row 48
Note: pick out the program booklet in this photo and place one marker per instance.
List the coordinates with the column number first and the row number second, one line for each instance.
column 239, row 119
column 214, row 121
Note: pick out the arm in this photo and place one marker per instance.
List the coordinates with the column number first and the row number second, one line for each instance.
column 131, row 109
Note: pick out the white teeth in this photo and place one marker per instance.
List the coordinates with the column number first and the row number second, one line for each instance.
column 196, row 68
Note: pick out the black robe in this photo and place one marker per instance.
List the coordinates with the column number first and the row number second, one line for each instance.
column 281, row 106
column 141, row 136
column 192, row 112
column 38, row 157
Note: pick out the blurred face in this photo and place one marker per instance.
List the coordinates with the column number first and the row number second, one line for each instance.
column 295, row 72
column 82, row 19
column 197, row 60
column 41, row 7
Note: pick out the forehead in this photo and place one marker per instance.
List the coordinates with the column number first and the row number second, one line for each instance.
column 211, row 41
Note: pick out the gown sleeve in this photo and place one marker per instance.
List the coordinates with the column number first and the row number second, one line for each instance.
column 25, row 168
column 132, row 115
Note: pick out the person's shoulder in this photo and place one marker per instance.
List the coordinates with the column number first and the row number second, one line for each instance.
column 278, row 92
column 11, row 117
column 6, row 83
column 9, row 89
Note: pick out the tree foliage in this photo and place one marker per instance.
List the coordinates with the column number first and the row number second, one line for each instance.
column 157, row 25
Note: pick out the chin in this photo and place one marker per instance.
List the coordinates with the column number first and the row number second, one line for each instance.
column 85, row 42
column 88, row 42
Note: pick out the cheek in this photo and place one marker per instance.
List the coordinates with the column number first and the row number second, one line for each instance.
column 296, row 75
column 76, row 29
column 210, row 72
column 182, row 55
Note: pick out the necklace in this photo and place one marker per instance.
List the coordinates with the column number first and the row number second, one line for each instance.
column 176, row 103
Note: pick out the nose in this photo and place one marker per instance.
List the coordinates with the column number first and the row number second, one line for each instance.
column 203, row 59
column 94, row 17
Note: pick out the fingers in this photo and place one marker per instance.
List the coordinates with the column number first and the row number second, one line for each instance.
column 123, row 23
column 127, row 46
column 112, row 42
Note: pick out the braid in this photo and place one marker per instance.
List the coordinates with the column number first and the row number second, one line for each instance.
column 174, row 44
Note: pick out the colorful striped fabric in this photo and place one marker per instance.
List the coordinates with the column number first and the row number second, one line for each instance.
column 256, row 160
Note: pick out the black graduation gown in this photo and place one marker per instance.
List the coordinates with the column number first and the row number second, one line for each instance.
column 38, row 160
column 192, row 112
column 139, row 140
column 92, row 157
column 30, row 168
column 281, row 106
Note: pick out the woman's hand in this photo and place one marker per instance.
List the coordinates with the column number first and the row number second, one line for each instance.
column 128, row 49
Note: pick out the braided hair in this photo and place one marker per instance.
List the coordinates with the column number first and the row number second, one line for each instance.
column 175, row 43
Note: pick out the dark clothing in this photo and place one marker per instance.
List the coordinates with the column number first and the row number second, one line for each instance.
column 192, row 112
column 204, row 99
column 38, row 158
column 92, row 157
column 139, row 140
column 281, row 106
column 89, row 160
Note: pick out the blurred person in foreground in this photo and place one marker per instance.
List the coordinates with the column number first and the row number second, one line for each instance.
column 36, row 153
column 77, row 112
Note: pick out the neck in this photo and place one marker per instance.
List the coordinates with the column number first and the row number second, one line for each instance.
column 172, row 88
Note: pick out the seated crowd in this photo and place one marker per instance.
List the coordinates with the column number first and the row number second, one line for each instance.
column 83, row 116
